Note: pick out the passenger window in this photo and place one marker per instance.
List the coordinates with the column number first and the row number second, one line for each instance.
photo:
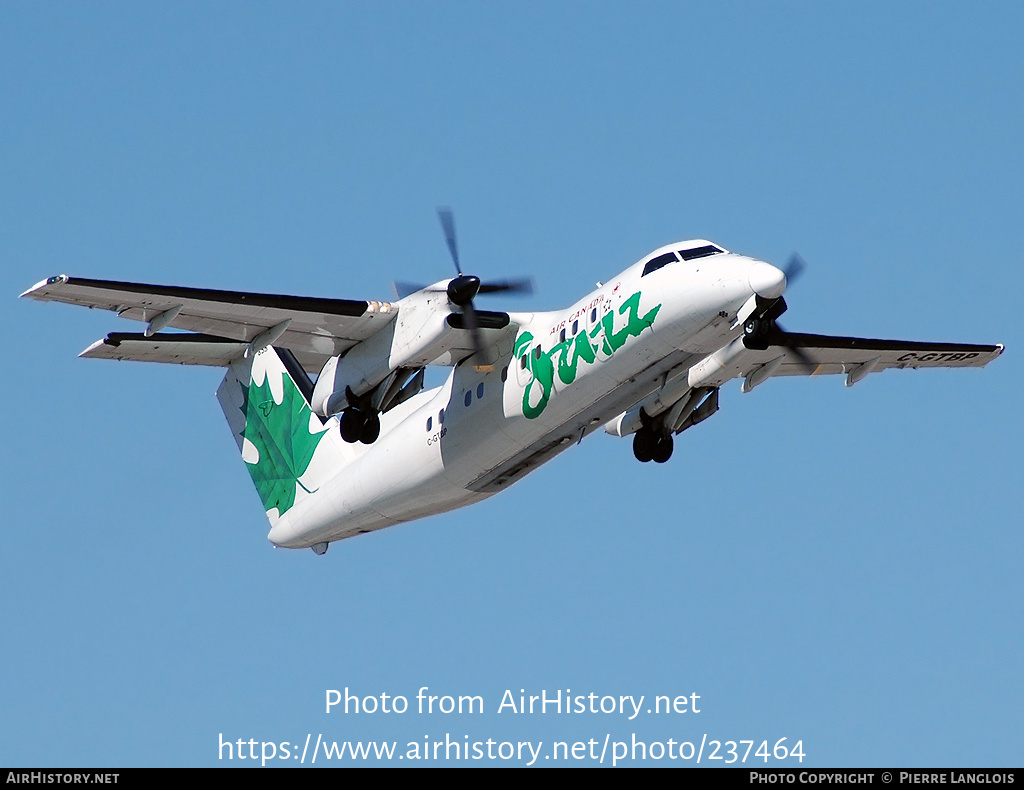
column 440, row 417
column 469, row 397
column 430, row 422
column 479, row 390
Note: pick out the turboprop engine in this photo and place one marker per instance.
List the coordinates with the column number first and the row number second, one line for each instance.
column 381, row 371
column 386, row 368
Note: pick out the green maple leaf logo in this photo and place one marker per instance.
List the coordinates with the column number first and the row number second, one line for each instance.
column 280, row 433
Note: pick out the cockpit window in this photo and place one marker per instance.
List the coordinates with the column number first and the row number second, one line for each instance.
column 691, row 254
column 699, row 252
column 656, row 263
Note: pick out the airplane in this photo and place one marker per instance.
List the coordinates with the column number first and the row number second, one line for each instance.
column 327, row 403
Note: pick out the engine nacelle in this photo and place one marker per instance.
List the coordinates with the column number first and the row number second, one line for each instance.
column 673, row 405
column 716, row 369
column 656, row 403
column 423, row 333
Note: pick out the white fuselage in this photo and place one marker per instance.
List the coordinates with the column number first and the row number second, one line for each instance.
column 558, row 376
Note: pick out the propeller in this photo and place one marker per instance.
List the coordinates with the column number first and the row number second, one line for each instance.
column 777, row 336
column 404, row 289
column 794, row 268
column 464, row 288
column 765, row 329
column 444, row 213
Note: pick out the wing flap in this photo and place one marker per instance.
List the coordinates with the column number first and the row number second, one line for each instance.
column 179, row 349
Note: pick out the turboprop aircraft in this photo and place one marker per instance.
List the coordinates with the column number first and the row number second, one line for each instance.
column 365, row 445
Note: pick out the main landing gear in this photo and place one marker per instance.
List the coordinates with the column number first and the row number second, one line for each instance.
column 359, row 426
column 650, row 445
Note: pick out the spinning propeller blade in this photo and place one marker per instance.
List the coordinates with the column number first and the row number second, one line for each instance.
column 522, row 285
column 794, row 268
column 403, row 289
column 778, row 336
column 764, row 329
column 448, row 224
column 464, row 288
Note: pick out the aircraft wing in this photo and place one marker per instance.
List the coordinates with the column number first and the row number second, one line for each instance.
column 315, row 329
column 811, row 355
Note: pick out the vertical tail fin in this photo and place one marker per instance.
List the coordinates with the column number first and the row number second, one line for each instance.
column 266, row 402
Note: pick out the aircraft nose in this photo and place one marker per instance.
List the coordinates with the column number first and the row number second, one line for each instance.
column 767, row 281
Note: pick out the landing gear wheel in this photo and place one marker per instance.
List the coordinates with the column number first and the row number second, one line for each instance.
column 753, row 328
column 371, row 429
column 644, row 442
column 352, row 424
column 662, row 449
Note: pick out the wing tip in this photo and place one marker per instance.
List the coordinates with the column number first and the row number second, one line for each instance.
column 90, row 351
column 39, row 286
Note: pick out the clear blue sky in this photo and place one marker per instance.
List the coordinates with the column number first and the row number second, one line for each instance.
column 837, row 566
